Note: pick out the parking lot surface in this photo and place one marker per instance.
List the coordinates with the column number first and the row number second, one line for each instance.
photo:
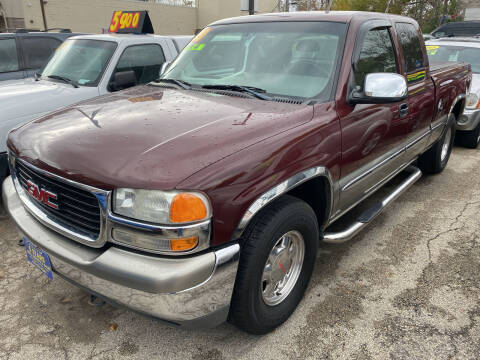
column 407, row 287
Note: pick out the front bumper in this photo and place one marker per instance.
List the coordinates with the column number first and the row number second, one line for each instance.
column 469, row 120
column 190, row 291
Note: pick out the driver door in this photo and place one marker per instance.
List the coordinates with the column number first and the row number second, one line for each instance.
column 372, row 134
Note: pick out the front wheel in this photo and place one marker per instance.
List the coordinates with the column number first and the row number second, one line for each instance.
column 276, row 263
column 435, row 159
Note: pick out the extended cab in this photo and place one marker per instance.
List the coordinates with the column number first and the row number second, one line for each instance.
column 204, row 196
column 84, row 67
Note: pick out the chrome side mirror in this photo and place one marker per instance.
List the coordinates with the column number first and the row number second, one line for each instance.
column 381, row 88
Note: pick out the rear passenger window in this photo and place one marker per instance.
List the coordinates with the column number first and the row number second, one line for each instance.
column 145, row 60
column 37, row 50
column 412, row 51
column 8, row 56
column 377, row 55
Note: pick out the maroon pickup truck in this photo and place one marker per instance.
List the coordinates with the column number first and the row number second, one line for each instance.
column 203, row 196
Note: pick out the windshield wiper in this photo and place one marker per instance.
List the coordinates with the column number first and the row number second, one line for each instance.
column 64, row 79
column 257, row 92
column 183, row 84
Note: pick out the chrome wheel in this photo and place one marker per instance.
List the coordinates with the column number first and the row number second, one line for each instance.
column 446, row 144
column 283, row 267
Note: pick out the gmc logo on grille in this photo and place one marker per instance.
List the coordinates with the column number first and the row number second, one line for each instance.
column 42, row 195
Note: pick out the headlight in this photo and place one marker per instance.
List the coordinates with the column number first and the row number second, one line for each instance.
column 161, row 207
column 472, row 101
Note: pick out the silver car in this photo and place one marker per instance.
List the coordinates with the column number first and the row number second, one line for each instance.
column 465, row 50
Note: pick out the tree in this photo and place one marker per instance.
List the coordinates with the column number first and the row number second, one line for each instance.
column 428, row 13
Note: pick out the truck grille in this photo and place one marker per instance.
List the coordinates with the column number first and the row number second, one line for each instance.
column 77, row 210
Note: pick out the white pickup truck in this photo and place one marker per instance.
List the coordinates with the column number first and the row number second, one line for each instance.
column 84, row 67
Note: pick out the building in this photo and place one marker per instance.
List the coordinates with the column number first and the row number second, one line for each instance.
column 169, row 17
column 472, row 9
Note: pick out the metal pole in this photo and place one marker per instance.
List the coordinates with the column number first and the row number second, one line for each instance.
column 251, row 7
column 329, row 4
column 42, row 7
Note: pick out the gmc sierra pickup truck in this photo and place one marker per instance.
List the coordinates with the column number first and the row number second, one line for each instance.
column 203, row 196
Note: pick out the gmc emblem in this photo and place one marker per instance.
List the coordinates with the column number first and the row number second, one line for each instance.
column 42, row 195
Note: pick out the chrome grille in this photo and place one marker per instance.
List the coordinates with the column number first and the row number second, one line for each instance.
column 78, row 209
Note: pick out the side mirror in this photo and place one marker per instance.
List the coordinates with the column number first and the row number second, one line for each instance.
column 122, row 80
column 380, row 88
column 164, row 67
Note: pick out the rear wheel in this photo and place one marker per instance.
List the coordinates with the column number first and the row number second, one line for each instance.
column 435, row 159
column 276, row 263
column 469, row 139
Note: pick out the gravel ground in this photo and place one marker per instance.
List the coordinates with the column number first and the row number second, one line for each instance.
column 406, row 288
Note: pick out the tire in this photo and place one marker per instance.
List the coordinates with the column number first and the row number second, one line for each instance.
column 469, row 139
column 435, row 159
column 253, row 309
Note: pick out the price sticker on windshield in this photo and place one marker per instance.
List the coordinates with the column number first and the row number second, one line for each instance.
column 432, row 49
column 133, row 22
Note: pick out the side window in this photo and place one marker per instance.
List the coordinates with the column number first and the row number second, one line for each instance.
column 377, row 55
column 37, row 50
column 145, row 60
column 8, row 56
column 412, row 51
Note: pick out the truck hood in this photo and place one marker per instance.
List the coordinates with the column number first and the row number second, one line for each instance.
column 150, row 137
column 29, row 97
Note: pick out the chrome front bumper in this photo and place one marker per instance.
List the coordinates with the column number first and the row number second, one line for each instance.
column 191, row 291
column 468, row 120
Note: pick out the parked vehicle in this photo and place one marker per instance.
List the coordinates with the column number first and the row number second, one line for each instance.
column 205, row 195
column 83, row 68
column 460, row 28
column 466, row 50
column 24, row 52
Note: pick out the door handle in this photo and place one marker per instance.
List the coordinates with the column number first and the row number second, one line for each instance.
column 403, row 110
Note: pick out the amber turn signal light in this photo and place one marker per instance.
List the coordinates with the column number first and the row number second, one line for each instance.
column 184, row 244
column 186, row 208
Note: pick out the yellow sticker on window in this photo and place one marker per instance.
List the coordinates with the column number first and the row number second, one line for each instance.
column 196, row 47
column 432, row 49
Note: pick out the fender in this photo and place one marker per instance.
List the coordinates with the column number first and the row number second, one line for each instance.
column 283, row 188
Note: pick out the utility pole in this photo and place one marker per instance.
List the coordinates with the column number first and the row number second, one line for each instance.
column 42, row 7
column 251, row 7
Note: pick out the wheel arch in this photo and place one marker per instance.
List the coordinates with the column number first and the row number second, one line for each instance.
column 458, row 106
column 301, row 185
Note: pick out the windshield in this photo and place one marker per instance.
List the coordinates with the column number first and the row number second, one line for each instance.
column 292, row 59
column 464, row 54
column 82, row 61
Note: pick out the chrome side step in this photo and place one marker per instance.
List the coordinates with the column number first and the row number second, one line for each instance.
column 371, row 213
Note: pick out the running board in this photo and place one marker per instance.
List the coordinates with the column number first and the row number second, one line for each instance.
column 371, row 213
